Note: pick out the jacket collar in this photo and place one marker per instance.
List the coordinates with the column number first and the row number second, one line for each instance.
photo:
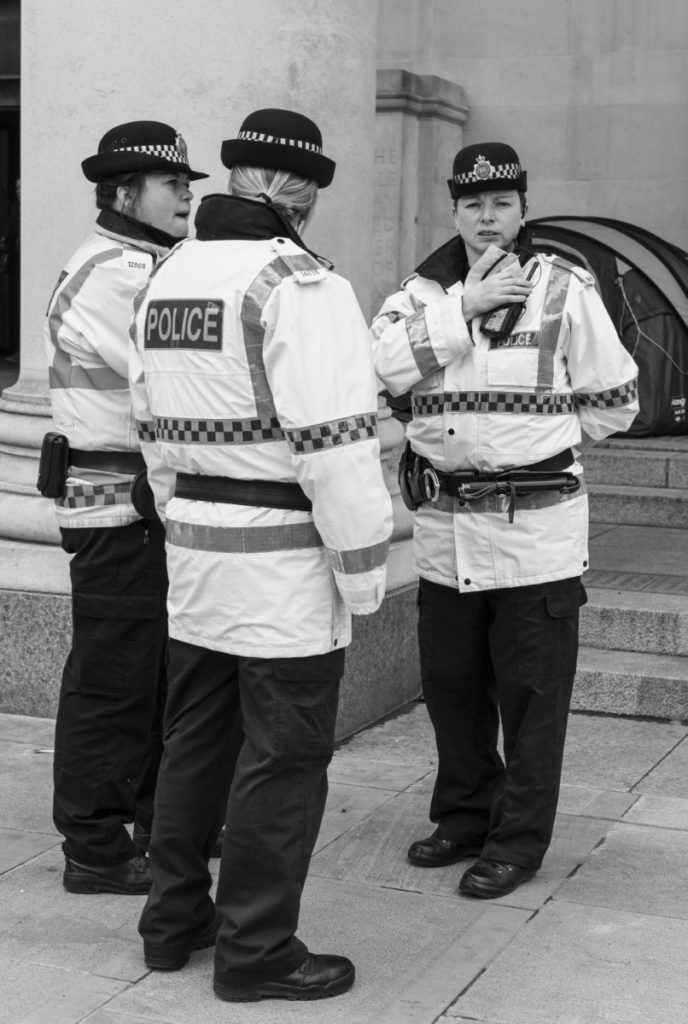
column 449, row 263
column 231, row 218
column 126, row 229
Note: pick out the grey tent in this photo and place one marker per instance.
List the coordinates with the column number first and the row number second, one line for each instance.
column 643, row 281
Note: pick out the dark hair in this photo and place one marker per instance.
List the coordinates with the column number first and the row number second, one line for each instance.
column 106, row 190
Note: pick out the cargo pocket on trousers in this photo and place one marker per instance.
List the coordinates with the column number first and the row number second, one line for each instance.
column 116, row 642
column 305, row 708
column 559, row 643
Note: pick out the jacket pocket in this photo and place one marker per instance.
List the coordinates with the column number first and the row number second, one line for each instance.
column 564, row 601
column 512, row 367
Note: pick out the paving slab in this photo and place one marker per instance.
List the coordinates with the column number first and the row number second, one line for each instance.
column 115, row 1017
column 374, row 852
column 669, row 777
column 663, row 811
column 18, row 847
column 26, row 729
column 385, row 775
column 26, row 786
column 584, row 965
column 638, row 868
column 594, row 803
column 606, row 889
column 36, row 994
column 405, row 738
column 346, row 807
column 394, row 939
column 43, row 924
column 616, row 753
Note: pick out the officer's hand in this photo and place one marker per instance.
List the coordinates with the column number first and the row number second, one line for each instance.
column 499, row 289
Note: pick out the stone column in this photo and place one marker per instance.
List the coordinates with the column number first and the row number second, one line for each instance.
column 418, row 128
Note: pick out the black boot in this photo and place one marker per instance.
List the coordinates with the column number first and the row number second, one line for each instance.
column 132, row 878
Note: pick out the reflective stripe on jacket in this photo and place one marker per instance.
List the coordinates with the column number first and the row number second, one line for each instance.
column 493, row 405
column 87, row 342
column 252, row 361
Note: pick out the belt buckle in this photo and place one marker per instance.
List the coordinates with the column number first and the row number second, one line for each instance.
column 430, row 484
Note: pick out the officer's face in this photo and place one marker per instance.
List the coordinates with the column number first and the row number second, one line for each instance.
column 165, row 202
column 488, row 218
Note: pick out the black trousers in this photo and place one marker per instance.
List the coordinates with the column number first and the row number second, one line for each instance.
column 288, row 708
column 509, row 654
column 108, row 732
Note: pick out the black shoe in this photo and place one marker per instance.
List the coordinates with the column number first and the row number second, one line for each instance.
column 435, row 852
column 318, row 977
column 489, row 879
column 174, row 956
column 132, row 878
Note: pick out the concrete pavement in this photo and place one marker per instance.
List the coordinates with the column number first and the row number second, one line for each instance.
column 599, row 936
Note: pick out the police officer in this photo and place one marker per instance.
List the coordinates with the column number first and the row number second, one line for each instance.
column 509, row 356
column 254, row 386
column 108, row 728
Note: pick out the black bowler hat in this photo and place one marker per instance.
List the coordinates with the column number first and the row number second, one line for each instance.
column 139, row 146
column 283, row 141
column 486, row 167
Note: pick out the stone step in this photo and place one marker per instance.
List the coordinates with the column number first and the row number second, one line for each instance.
column 630, row 467
column 640, row 506
column 628, row 683
column 635, row 620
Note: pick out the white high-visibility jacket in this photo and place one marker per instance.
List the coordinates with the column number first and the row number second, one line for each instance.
column 87, row 342
column 253, row 362
column 489, row 405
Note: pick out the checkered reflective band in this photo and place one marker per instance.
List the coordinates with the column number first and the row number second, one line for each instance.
column 622, row 395
column 248, row 431
column 493, row 402
column 333, row 434
column 312, row 147
column 490, row 171
column 88, row 496
column 146, row 431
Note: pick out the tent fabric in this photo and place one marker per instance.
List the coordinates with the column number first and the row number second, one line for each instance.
column 643, row 281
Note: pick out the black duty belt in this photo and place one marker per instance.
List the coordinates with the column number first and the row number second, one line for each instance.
column 545, row 473
column 107, row 462
column 260, row 493
column 420, row 481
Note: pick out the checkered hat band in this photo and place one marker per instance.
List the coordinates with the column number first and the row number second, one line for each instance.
column 248, row 431
column 90, row 495
column 277, row 140
column 511, row 172
column 493, row 402
column 169, row 152
column 333, row 434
